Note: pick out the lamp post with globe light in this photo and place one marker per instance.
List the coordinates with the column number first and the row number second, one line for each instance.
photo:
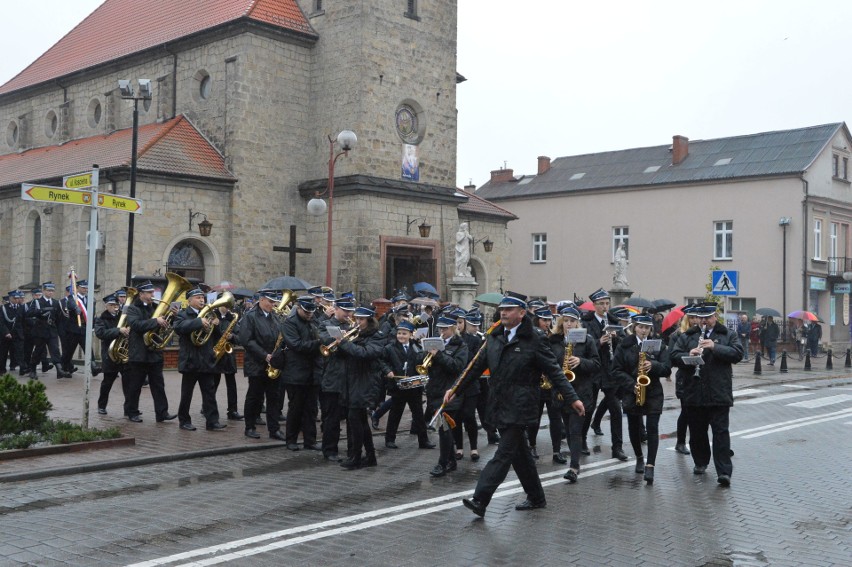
column 317, row 206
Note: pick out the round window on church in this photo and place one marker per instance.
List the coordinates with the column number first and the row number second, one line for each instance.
column 95, row 112
column 12, row 134
column 202, row 86
column 51, row 124
column 409, row 122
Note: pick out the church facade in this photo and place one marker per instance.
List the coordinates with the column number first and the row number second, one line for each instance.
column 246, row 99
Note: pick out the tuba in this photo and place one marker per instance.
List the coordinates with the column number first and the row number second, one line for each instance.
column 642, row 382
column 569, row 352
column 177, row 286
column 200, row 337
column 223, row 346
column 118, row 351
column 283, row 307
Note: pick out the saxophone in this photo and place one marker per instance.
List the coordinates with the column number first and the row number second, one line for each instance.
column 274, row 373
column 569, row 352
column 642, row 382
column 223, row 346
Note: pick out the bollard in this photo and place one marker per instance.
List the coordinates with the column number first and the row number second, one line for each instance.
column 757, row 369
column 807, row 360
column 783, row 368
column 829, row 365
column 848, row 363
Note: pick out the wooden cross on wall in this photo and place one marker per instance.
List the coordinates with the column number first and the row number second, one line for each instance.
column 292, row 250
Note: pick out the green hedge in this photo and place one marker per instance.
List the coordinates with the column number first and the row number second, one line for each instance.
column 23, row 407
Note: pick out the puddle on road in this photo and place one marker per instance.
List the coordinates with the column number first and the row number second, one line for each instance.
column 738, row 559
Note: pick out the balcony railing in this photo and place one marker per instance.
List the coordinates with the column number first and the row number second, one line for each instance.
column 839, row 264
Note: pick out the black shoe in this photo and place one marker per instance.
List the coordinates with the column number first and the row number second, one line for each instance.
column 459, row 455
column 530, row 505
column 333, row 457
column 493, row 438
column 102, row 411
column 96, row 369
column 699, row 470
column 427, row 445
column 724, row 480
column 216, row 427
column 61, row 374
column 24, row 372
column 585, row 449
column 559, row 458
column 681, row 448
column 474, row 506
column 533, row 453
column 187, row 427
column 438, row 471
column 370, row 461
column 260, row 421
column 292, row 446
column 391, row 445
column 313, row 447
column 570, row 476
column 167, row 417
column 649, row 475
column 33, row 375
column 252, row 433
column 474, row 456
column 597, row 430
column 135, row 418
column 235, row 416
column 619, row 454
column 451, row 466
column 279, row 436
column 351, row 464
column 640, row 465
column 46, row 368
column 375, row 421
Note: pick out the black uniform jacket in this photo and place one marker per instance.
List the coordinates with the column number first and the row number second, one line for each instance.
column 625, row 367
column 516, row 368
column 395, row 360
column 334, row 367
column 302, row 340
column 605, row 379
column 12, row 321
column 445, row 369
column 587, row 372
column 258, row 333
column 362, row 381
column 140, row 322
column 713, row 386
column 70, row 310
column 473, row 341
column 106, row 329
column 193, row 358
column 228, row 363
column 44, row 317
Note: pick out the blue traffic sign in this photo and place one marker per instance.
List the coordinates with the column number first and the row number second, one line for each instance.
column 725, row 282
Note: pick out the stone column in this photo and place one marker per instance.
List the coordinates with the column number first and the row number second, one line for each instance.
column 619, row 295
column 463, row 291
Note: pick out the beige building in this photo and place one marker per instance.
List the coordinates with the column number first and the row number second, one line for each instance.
column 774, row 207
column 245, row 94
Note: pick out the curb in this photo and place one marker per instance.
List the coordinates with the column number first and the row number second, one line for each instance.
column 66, row 448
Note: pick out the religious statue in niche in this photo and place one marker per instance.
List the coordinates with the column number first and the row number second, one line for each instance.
column 619, row 277
column 463, row 251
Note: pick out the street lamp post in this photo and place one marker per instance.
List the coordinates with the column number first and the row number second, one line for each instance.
column 126, row 90
column 784, row 222
column 316, row 206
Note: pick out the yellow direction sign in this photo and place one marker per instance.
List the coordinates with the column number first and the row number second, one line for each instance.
column 81, row 181
column 117, row 203
column 55, row 195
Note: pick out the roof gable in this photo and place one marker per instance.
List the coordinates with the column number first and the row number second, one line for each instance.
column 477, row 205
column 123, row 27
column 175, row 148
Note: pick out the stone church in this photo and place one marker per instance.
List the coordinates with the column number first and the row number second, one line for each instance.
column 246, row 98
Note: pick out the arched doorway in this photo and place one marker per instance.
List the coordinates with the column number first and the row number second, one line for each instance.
column 186, row 260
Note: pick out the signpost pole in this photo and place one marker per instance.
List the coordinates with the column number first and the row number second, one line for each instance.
column 90, row 298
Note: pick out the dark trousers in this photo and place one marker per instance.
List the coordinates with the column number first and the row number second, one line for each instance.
column 359, row 430
column 716, row 418
column 231, row 388
column 574, row 423
column 208, row 397
column 512, row 451
column 682, row 424
column 634, row 430
column 301, row 413
column 332, row 413
column 13, row 349
column 590, row 412
column 258, row 387
column 69, row 347
column 414, row 400
column 554, row 415
column 467, row 419
column 40, row 344
column 482, row 408
column 28, row 353
column 106, row 387
column 137, row 372
column 611, row 402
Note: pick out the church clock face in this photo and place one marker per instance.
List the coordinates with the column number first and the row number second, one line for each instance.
column 407, row 124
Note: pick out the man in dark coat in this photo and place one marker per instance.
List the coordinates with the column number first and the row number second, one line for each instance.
column 197, row 363
column 143, row 362
column 301, row 338
column 708, row 392
column 45, row 314
column 106, row 329
column 227, row 364
column 516, row 356
column 12, row 331
column 333, row 379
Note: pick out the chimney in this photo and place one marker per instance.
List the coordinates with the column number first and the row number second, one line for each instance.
column 470, row 188
column 502, row 175
column 680, row 149
column 543, row 164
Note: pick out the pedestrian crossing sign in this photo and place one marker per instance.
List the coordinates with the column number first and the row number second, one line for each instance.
column 725, row 282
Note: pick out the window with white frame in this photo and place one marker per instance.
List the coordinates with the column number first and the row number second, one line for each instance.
column 539, row 243
column 833, row 232
column 723, row 248
column 817, row 239
column 621, row 235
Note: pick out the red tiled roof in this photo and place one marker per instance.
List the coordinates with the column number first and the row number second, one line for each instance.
column 478, row 205
column 123, row 27
column 175, row 147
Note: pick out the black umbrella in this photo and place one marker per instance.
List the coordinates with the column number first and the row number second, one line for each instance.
column 286, row 282
column 242, row 292
column 663, row 304
column 768, row 312
column 640, row 302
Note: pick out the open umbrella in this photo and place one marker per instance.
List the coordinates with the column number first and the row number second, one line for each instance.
column 640, row 302
column 587, row 306
column 223, row 286
column 663, row 304
column 424, row 301
column 631, row 308
column 286, row 282
column 672, row 318
column 425, row 287
column 242, row 292
column 768, row 312
column 492, row 299
column 804, row 316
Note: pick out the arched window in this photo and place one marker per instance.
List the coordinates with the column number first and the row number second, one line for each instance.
column 186, row 260
column 33, row 247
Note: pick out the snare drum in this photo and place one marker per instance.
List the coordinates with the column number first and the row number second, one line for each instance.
column 412, row 382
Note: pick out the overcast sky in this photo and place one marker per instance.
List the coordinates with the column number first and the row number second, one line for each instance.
column 559, row 77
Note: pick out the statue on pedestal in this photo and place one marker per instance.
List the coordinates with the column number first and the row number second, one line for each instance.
column 619, row 278
column 463, row 251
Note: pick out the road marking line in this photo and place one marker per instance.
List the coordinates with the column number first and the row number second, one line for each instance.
column 797, row 425
column 783, row 423
column 596, row 468
column 747, row 392
column 799, row 386
column 821, row 402
column 775, row 397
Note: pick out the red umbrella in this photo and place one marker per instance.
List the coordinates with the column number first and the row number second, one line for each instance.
column 672, row 318
column 587, row 306
column 804, row 316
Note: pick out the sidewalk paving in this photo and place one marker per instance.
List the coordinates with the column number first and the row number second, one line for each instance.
column 163, row 442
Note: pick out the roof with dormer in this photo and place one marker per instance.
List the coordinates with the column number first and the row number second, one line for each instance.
column 175, row 148
column 118, row 28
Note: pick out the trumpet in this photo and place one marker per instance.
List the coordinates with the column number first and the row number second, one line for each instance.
column 201, row 336
column 350, row 335
column 176, row 287
column 569, row 352
column 118, row 348
column 642, row 382
column 427, row 362
column 223, row 346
